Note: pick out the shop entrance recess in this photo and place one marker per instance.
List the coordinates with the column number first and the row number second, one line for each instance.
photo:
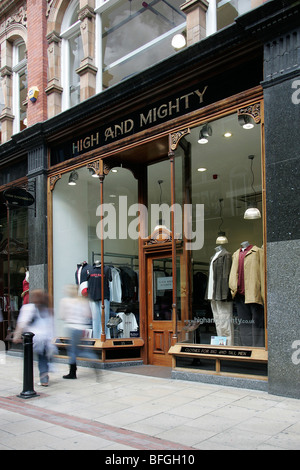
column 159, row 309
column 161, row 324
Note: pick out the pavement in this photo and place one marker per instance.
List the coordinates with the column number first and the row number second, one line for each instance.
column 140, row 409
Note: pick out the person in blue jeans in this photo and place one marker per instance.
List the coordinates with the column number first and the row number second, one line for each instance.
column 75, row 311
column 37, row 317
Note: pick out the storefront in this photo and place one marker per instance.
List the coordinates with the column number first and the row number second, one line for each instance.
column 151, row 179
column 198, row 150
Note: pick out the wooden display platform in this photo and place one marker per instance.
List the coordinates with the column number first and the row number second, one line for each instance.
column 111, row 350
column 216, row 357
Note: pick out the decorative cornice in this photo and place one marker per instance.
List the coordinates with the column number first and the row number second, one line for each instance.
column 176, row 136
column 253, row 110
column 18, row 16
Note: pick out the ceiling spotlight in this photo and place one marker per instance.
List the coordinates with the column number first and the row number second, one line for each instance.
column 228, row 134
column 205, row 132
column 93, row 173
column 73, row 178
column 202, row 169
column 246, row 121
column 179, row 41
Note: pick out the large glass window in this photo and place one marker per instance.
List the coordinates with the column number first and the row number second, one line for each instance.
column 77, row 246
column 19, row 86
column 223, row 174
column 13, row 265
column 72, row 54
column 136, row 34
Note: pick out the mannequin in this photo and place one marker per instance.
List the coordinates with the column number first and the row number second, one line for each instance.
column 95, row 295
column 219, row 294
column 81, row 275
column 246, row 282
column 25, row 293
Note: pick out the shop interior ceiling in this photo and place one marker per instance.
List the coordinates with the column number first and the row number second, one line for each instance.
column 227, row 176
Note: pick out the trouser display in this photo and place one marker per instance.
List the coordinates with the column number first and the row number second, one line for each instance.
column 251, row 322
column 222, row 312
column 96, row 318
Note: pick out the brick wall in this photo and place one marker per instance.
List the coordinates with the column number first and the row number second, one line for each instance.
column 37, row 59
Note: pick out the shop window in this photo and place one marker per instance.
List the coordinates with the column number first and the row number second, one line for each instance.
column 19, row 95
column 228, row 10
column 223, row 174
column 13, row 242
column 77, row 244
column 72, row 53
column 135, row 35
column 2, row 104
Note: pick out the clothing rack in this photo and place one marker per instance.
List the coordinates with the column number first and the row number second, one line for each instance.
column 117, row 255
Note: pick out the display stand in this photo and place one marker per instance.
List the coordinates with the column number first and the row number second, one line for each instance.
column 208, row 359
column 111, row 350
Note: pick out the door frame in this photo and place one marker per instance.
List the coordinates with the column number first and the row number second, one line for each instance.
column 159, row 332
column 163, row 249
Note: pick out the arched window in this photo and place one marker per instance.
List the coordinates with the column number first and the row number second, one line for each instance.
column 19, row 95
column 72, row 53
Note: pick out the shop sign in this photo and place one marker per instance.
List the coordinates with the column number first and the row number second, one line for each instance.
column 173, row 106
column 216, row 351
column 18, row 197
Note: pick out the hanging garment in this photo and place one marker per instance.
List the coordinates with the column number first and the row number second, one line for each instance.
column 128, row 324
column 115, row 286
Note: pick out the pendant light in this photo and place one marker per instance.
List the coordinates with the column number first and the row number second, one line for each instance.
column 221, row 239
column 252, row 211
column 73, row 178
column 160, row 224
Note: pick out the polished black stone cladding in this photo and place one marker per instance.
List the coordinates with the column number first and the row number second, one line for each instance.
column 282, row 136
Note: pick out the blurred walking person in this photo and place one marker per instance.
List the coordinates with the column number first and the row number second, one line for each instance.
column 37, row 317
column 76, row 313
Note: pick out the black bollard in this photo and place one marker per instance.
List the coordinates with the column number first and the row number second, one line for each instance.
column 28, row 391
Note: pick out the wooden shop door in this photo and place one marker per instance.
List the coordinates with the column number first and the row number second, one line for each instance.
column 159, row 309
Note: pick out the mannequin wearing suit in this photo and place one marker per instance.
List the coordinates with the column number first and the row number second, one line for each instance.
column 246, row 282
column 219, row 294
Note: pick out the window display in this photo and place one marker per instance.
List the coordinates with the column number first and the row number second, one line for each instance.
column 76, row 236
column 226, row 301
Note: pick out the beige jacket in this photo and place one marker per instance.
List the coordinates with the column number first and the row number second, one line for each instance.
column 253, row 275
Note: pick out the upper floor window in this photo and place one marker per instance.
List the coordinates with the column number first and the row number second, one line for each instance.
column 72, row 53
column 228, row 10
column 132, row 35
column 19, row 95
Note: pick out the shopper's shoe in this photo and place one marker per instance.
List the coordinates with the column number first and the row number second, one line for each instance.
column 72, row 373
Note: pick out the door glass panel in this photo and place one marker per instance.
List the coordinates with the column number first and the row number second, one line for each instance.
column 162, row 278
column 162, row 289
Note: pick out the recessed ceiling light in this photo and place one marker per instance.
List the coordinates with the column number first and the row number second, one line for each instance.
column 228, row 134
column 202, row 169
